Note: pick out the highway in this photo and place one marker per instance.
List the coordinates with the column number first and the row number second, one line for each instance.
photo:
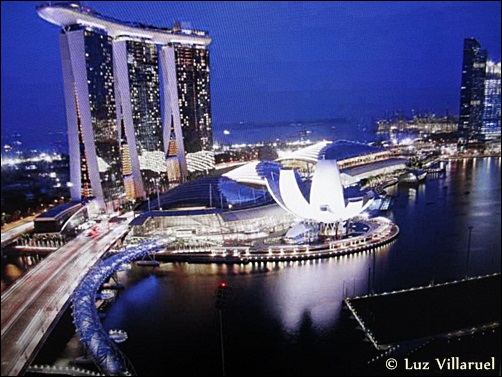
column 9, row 235
column 32, row 304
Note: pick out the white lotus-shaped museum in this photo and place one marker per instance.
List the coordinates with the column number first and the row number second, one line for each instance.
column 327, row 203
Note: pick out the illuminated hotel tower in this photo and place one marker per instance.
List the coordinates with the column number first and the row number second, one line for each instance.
column 112, row 84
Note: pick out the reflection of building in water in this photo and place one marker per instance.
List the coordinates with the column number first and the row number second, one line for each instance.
column 319, row 296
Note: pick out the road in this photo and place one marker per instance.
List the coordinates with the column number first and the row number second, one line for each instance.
column 9, row 235
column 32, row 304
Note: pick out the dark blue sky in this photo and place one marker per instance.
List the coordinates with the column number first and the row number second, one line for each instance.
column 273, row 60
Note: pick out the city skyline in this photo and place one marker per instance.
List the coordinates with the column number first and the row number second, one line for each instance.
column 273, row 61
column 303, row 245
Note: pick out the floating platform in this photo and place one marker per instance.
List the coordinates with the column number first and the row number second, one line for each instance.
column 426, row 312
column 118, row 336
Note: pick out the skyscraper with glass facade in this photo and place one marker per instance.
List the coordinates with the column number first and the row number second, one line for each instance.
column 95, row 166
column 126, row 140
column 491, row 113
column 472, row 90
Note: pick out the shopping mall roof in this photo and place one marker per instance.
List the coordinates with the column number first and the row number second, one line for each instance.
column 245, row 186
column 310, row 153
column 209, row 192
column 391, row 162
column 254, row 172
column 343, row 149
column 336, row 150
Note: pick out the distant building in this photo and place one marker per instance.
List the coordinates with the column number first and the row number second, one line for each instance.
column 472, row 91
column 419, row 126
column 491, row 112
column 122, row 145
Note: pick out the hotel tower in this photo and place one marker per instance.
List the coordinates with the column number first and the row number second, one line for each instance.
column 126, row 140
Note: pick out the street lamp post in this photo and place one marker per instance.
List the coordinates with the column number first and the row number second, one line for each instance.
column 158, row 195
column 222, row 293
column 468, row 251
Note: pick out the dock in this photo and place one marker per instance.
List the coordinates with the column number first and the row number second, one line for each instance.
column 442, row 310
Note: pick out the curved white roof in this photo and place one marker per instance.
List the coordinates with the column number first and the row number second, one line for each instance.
column 72, row 14
column 310, row 153
column 246, row 174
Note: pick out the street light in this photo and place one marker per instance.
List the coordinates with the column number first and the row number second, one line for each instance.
column 221, row 294
column 157, row 184
column 468, row 251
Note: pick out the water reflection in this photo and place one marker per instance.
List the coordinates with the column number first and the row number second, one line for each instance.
column 317, row 290
column 293, row 307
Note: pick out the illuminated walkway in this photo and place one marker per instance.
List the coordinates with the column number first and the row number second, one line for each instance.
column 381, row 232
column 69, row 371
column 103, row 350
column 32, row 305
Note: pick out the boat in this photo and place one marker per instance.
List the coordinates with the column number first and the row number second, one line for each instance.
column 118, row 336
column 107, row 294
column 413, row 176
column 152, row 263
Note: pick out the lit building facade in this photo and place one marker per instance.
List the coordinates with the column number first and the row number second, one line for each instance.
column 112, row 73
column 260, row 197
column 491, row 112
column 472, row 90
column 139, row 107
column 192, row 73
column 93, row 135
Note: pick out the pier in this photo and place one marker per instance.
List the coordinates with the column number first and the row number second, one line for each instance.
column 444, row 310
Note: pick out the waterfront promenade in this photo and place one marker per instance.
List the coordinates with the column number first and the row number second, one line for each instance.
column 381, row 232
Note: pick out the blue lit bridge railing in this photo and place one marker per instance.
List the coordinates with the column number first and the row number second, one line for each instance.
column 102, row 349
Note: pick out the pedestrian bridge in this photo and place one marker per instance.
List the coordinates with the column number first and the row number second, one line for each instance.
column 102, row 349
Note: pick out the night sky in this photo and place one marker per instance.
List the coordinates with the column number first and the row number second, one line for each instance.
column 272, row 60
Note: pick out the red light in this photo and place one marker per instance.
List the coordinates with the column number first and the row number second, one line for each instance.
column 223, row 284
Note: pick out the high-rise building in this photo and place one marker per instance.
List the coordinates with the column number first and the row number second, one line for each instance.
column 472, row 90
column 192, row 74
column 138, row 93
column 93, row 135
column 491, row 113
column 123, row 135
